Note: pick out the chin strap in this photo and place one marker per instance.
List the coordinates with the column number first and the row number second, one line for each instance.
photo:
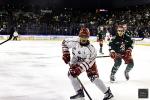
column 85, row 44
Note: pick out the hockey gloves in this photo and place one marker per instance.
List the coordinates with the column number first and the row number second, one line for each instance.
column 113, row 54
column 75, row 70
column 128, row 53
column 66, row 57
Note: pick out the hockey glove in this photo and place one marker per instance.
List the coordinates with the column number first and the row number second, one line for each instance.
column 113, row 54
column 66, row 57
column 128, row 53
column 75, row 70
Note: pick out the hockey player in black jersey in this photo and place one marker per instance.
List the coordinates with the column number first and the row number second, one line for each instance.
column 120, row 47
column 100, row 37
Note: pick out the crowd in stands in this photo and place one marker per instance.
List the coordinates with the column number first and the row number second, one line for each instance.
column 67, row 21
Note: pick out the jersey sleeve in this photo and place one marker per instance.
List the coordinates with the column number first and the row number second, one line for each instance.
column 67, row 44
column 111, row 44
column 129, row 43
column 90, row 58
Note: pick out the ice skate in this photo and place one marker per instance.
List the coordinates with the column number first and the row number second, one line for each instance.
column 108, row 95
column 112, row 78
column 100, row 51
column 82, row 98
column 126, row 74
column 78, row 96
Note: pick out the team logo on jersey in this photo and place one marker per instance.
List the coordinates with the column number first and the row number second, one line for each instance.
column 122, row 47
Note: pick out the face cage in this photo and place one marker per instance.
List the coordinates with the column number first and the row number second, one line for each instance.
column 84, row 39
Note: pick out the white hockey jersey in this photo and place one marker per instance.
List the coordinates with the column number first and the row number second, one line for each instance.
column 83, row 55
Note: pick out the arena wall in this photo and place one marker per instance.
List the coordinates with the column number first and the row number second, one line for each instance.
column 139, row 41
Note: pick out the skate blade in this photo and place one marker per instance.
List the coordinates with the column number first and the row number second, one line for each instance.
column 78, row 98
column 113, row 81
column 112, row 98
column 101, row 53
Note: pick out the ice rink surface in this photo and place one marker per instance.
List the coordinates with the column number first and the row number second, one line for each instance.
column 34, row 70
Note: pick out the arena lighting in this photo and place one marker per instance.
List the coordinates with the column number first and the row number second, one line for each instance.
column 103, row 10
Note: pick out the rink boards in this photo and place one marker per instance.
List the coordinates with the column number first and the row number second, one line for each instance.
column 138, row 41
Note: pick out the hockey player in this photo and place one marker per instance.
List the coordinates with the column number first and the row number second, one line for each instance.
column 15, row 35
column 83, row 59
column 100, row 37
column 120, row 47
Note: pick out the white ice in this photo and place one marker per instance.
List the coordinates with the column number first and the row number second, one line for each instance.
column 34, row 70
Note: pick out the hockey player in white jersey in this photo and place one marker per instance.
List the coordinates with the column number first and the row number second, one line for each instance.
column 83, row 59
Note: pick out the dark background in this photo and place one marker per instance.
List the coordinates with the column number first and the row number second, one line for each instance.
column 76, row 3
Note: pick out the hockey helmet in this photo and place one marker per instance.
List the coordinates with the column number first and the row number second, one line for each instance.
column 84, row 32
column 84, row 36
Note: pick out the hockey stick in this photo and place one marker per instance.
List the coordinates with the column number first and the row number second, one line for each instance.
column 10, row 37
column 83, row 87
column 11, row 32
column 102, row 56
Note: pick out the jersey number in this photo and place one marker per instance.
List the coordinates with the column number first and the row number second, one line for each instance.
column 122, row 47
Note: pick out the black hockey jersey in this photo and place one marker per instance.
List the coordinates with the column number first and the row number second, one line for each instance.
column 120, row 44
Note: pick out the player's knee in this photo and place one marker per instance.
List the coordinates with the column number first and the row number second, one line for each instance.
column 118, row 62
column 101, row 44
column 93, row 78
column 130, row 65
column 129, row 61
column 132, row 62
